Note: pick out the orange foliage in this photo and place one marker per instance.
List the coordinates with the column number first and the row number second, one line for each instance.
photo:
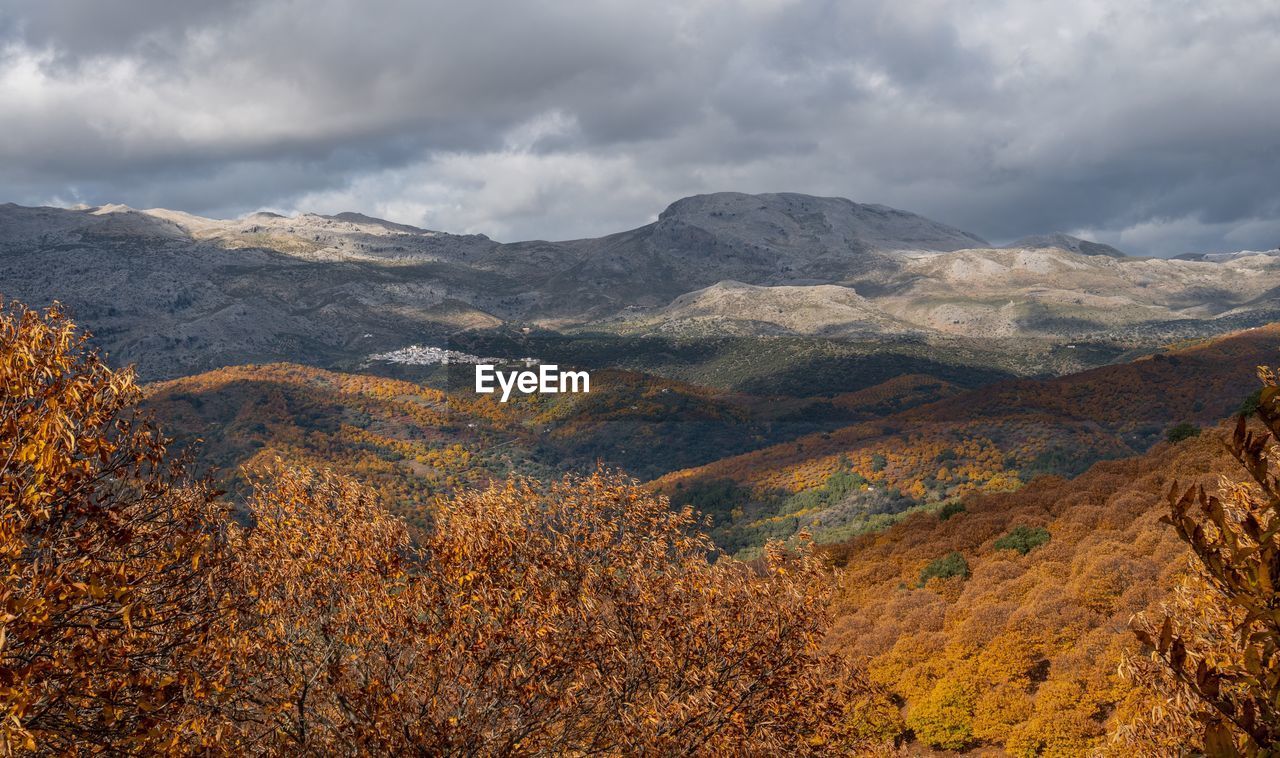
column 1214, row 660
column 580, row 618
column 584, row 615
column 110, row 592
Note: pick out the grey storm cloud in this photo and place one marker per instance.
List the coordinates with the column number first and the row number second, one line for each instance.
column 1148, row 125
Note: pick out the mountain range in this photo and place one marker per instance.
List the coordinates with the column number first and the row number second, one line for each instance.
column 177, row 294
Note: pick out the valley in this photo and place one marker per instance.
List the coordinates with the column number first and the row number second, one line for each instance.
column 969, row 434
column 781, row 362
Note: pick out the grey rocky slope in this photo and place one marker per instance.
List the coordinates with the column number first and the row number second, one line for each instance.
column 177, row 293
column 1229, row 256
column 1065, row 242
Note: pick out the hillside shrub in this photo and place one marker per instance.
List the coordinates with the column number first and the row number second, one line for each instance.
column 1249, row 405
column 1183, row 431
column 950, row 565
column 945, row 718
column 1024, row 539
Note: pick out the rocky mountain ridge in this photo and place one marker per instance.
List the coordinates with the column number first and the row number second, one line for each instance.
column 178, row 293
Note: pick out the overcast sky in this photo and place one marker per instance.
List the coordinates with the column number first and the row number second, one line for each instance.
column 1154, row 126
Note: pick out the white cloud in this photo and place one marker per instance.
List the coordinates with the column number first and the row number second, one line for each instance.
column 508, row 194
column 547, row 118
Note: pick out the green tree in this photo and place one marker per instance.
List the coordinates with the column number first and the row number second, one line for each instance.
column 1183, row 431
column 1249, row 405
column 1024, row 539
column 950, row 565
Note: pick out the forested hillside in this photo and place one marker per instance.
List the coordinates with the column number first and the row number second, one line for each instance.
column 1004, row 621
column 146, row 611
column 408, row 442
column 838, row 466
column 990, row 439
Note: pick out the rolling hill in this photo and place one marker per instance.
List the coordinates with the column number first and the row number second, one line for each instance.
column 414, row 443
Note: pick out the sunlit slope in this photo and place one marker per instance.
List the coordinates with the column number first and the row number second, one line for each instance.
column 1003, row 621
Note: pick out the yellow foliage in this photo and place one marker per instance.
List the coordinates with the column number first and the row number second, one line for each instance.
column 944, row 718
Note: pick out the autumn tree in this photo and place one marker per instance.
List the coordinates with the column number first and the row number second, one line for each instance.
column 580, row 616
column 1216, row 649
column 326, row 662
column 110, row 603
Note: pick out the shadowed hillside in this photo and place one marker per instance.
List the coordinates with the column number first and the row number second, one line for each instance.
column 413, row 442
